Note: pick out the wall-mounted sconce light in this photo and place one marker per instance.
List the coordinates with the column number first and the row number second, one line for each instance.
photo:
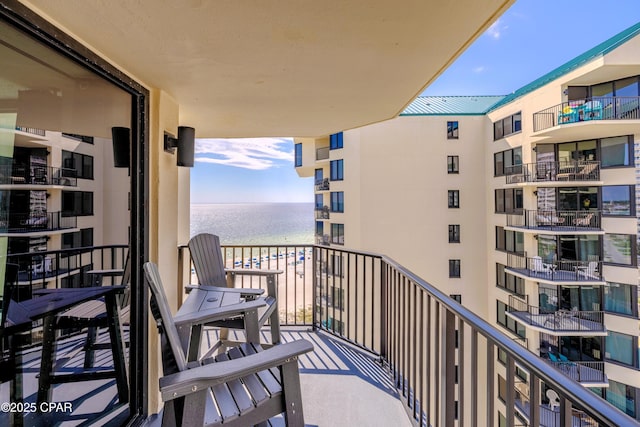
column 185, row 143
column 121, row 138
column 535, row 192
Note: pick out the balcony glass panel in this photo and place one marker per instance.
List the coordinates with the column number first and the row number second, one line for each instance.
column 615, row 151
column 618, row 298
column 44, row 94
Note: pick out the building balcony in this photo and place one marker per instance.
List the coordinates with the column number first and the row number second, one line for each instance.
column 322, row 212
column 588, row 119
column 557, row 322
column 25, row 177
column 589, row 374
column 323, row 239
column 550, row 174
column 322, row 185
column 36, row 223
column 406, row 349
column 549, row 413
column 556, row 222
column 322, row 153
column 562, row 272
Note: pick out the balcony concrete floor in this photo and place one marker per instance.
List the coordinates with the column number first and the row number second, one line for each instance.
column 341, row 386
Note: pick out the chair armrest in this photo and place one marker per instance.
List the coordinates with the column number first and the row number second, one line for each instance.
column 252, row 272
column 194, row 380
column 244, row 291
column 212, row 314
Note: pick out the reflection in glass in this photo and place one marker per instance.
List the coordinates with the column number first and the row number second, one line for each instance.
column 616, row 200
column 55, row 156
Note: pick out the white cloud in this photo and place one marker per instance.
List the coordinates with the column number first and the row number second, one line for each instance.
column 248, row 153
column 479, row 69
column 495, row 30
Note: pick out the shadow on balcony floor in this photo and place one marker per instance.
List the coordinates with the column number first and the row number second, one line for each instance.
column 341, row 386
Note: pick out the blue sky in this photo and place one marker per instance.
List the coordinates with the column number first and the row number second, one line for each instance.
column 530, row 39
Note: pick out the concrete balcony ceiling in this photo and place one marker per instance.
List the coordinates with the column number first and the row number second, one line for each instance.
column 279, row 67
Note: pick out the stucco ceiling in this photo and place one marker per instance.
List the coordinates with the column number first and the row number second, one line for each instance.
column 278, row 67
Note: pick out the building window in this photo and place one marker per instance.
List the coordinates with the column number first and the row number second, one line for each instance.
column 77, row 203
column 457, row 297
column 335, row 141
column 78, row 239
column 454, row 198
column 82, row 138
column 508, row 201
column 616, row 151
column 337, row 234
column 507, row 126
column 621, row 299
column 619, row 249
column 509, row 282
column 618, row 200
column 337, row 170
column 454, row 233
column 502, row 388
column 509, row 241
column 454, row 268
column 452, row 130
column 507, row 162
column 337, row 201
column 622, row 396
column 507, row 322
column 335, row 265
column 619, row 348
column 453, row 164
column 82, row 164
column 298, row 155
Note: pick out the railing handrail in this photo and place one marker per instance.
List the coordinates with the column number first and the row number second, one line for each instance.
column 588, row 109
column 604, row 411
column 601, row 410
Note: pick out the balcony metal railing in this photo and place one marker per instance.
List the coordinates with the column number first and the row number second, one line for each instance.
column 322, row 213
column 583, row 110
column 552, row 220
column 60, row 269
column 34, row 131
column 421, row 334
column 581, row 170
column 556, row 271
column 322, row 184
column 323, row 239
column 582, row 372
column 35, row 222
column 322, row 153
column 37, row 175
column 565, row 321
column 49, row 268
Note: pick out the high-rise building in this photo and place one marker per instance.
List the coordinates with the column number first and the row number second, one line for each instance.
column 523, row 207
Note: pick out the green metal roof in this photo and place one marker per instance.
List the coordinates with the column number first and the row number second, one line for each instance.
column 593, row 53
column 450, row 105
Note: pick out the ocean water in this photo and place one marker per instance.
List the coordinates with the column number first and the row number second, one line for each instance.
column 255, row 223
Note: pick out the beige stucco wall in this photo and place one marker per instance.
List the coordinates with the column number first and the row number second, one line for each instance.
column 396, row 184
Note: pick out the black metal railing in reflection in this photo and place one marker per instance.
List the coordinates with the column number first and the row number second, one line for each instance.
column 553, row 220
column 579, row 170
column 37, row 221
column 37, row 175
column 429, row 342
column 589, row 109
column 65, row 268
